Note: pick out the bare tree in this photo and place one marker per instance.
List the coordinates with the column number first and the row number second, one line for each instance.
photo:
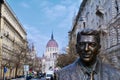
column 68, row 56
column 65, row 59
column 38, row 64
column 20, row 52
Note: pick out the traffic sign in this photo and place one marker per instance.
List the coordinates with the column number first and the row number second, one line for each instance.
column 5, row 69
column 26, row 67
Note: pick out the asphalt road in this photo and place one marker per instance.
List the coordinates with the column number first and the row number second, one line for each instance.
column 31, row 79
column 39, row 79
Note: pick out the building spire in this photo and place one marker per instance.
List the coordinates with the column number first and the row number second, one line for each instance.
column 33, row 48
column 52, row 37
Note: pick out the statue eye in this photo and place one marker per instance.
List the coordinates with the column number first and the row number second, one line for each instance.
column 92, row 44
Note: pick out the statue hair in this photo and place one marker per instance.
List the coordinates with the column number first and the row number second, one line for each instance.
column 94, row 32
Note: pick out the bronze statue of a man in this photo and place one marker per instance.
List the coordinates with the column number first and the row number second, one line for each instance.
column 89, row 65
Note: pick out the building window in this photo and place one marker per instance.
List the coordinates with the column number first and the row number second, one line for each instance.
column 99, row 11
column 118, row 32
column 105, row 17
column 107, row 41
column 113, row 36
column 116, row 6
column 47, row 49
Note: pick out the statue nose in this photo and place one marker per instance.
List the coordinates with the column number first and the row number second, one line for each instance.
column 86, row 47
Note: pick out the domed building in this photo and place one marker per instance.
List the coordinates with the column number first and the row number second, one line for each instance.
column 50, row 55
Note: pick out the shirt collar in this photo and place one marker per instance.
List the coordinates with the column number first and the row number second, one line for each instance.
column 96, row 67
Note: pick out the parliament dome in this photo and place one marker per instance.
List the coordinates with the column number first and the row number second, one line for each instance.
column 52, row 42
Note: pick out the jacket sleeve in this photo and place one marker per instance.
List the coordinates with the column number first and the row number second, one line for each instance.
column 62, row 76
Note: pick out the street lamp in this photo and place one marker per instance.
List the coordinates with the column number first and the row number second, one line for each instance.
column 83, row 20
column 43, row 65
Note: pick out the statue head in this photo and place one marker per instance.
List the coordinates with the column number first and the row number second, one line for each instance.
column 88, row 45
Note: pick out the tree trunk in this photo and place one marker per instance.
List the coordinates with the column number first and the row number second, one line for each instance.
column 16, row 70
column 10, row 73
column 1, row 73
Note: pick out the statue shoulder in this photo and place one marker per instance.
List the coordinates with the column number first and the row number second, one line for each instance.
column 109, row 67
column 66, row 71
column 111, row 71
column 68, row 68
column 72, row 67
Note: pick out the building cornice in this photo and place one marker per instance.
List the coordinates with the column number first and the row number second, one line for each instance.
column 13, row 27
column 82, row 5
column 13, row 14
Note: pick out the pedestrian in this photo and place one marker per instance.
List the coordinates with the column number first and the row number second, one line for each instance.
column 51, row 78
column 88, row 66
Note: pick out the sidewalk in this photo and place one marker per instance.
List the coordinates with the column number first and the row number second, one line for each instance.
column 18, row 79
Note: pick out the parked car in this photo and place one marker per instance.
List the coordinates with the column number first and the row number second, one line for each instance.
column 49, row 75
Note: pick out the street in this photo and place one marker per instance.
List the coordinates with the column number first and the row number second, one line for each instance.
column 30, row 79
column 39, row 79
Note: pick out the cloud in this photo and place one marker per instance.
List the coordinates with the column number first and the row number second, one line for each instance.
column 44, row 4
column 54, row 12
column 25, row 5
column 66, row 2
column 34, row 33
column 58, row 16
column 37, row 38
column 65, row 13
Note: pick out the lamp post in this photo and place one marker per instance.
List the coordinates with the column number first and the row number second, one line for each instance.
column 26, row 70
column 43, row 65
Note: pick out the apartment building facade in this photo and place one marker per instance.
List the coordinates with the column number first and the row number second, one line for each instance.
column 103, row 15
column 12, row 40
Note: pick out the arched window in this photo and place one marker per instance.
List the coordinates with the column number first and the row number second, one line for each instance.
column 113, row 36
column 118, row 33
column 108, row 41
column 116, row 6
column 105, row 43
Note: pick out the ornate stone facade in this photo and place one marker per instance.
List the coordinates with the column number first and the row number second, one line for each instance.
column 105, row 16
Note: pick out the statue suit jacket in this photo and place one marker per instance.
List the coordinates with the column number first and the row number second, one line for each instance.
column 76, row 71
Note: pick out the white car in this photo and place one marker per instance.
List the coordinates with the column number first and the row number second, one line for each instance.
column 48, row 76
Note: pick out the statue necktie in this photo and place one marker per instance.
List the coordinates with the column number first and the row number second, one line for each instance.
column 90, row 76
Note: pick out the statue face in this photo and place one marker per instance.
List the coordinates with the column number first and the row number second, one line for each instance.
column 88, row 47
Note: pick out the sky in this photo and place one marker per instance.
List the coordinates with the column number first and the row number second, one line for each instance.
column 40, row 18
